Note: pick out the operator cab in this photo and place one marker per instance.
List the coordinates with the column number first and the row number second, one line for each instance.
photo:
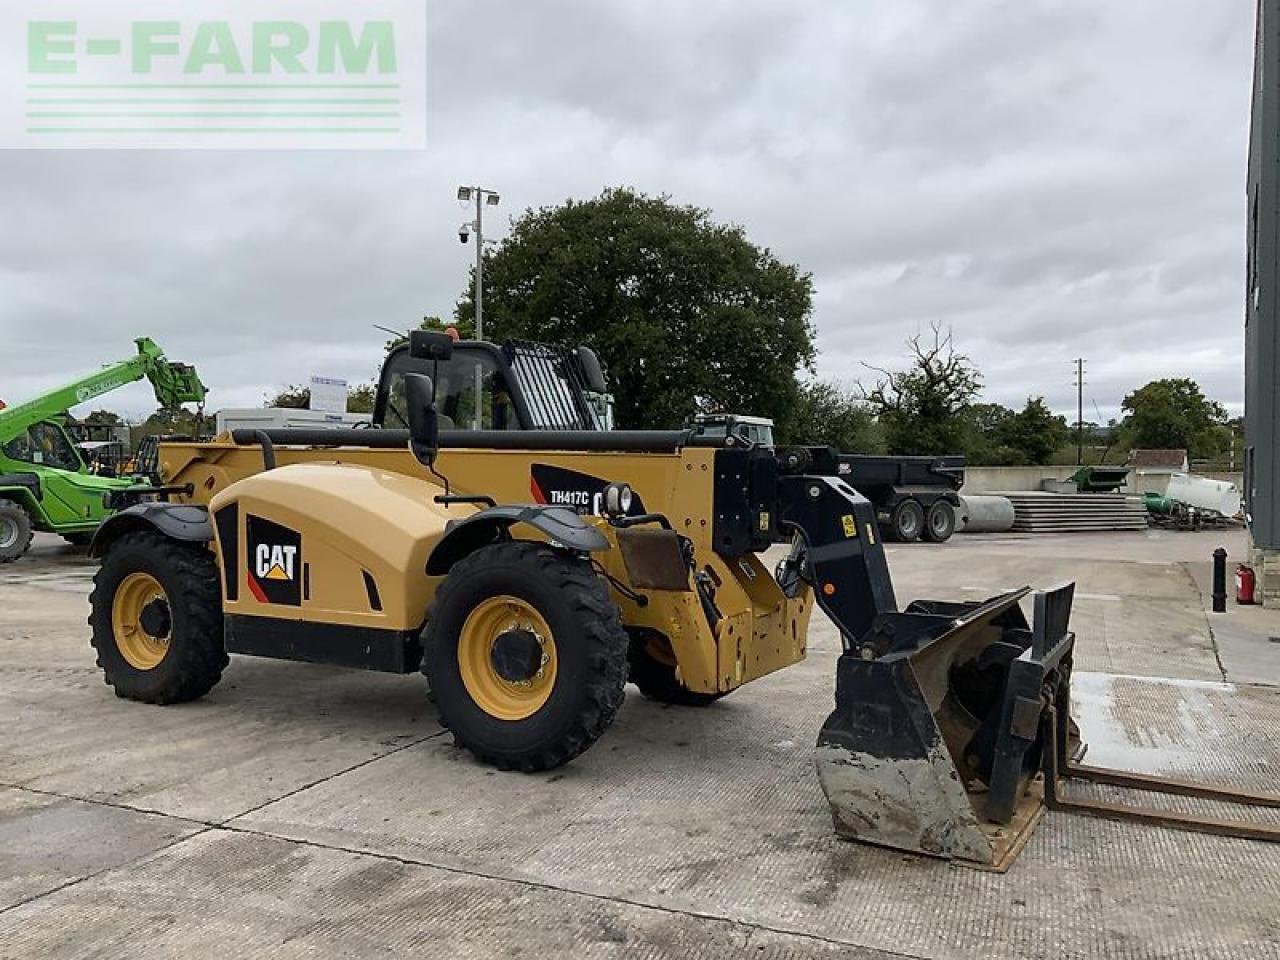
column 516, row 386
column 756, row 430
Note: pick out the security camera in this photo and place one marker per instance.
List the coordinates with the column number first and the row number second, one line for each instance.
column 464, row 233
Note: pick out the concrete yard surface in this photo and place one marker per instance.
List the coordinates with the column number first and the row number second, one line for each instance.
column 303, row 811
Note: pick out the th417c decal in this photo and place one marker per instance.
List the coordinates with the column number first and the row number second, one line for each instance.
column 561, row 487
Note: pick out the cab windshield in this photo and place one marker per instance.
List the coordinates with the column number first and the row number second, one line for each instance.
column 456, row 382
column 532, row 381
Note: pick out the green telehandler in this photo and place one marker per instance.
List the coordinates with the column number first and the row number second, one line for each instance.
column 44, row 483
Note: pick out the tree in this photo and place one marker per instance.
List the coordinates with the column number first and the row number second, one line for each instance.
column 687, row 314
column 102, row 418
column 922, row 408
column 1174, row 414
column 827, row 415
column 983, row 427
column 1034, row 433
column 165, row 422
column 292, row 397
column 360, row 398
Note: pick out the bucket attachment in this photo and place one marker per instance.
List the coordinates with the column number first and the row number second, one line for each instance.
column 936, row 735
column 952, row 731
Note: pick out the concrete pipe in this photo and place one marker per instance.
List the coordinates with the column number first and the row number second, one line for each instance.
column 984, row 514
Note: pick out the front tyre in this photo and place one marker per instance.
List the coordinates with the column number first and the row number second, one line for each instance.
column 526, row 655
column 157, row 619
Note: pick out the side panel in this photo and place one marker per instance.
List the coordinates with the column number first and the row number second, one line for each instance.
column 306, row 541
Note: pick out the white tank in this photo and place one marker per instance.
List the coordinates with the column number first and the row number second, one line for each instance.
column 1216, row 496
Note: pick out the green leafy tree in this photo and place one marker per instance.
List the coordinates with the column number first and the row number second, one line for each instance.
column 827, row 415
column 1033, row 434
column 360, row 398
column 687, row 314
column 292, row 397
column 103, row 418
column 178, row 423
column 983, row 423
column 1174, row 414
column 922, row 408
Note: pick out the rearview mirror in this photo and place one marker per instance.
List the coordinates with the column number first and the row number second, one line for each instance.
column 430, row 345
column 591, row 370
column 424, row 425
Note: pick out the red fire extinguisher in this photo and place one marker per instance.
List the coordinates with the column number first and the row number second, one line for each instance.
column 1246, row 582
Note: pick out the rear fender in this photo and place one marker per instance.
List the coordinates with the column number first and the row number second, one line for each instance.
column 178, row 521
column 561, row 526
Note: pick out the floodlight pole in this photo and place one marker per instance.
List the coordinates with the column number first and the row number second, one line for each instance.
column 482, row 196
column 1079, row 411
column 479, row 272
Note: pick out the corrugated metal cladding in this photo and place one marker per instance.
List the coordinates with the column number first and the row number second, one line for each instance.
column 1262, row 343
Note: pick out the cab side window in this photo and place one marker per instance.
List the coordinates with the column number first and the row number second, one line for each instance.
column 44, row 444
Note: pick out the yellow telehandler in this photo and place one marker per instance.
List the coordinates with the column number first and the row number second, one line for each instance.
column 532, row 564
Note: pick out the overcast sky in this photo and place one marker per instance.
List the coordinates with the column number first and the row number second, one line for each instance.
column 1050, row 179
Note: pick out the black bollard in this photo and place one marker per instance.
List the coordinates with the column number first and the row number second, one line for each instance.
column 1220, row 580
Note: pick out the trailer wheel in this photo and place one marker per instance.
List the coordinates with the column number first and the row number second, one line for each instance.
column 156, row 614
column 907, row 522
column 15, row 531
column 939, row 522
column 653, row 670
column 526, row 655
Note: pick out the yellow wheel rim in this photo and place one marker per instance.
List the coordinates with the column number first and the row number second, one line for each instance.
column 142, row 650
column 497, row 696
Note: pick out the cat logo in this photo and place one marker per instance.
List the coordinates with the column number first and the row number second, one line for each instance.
column 275, row 563
column 275, row 566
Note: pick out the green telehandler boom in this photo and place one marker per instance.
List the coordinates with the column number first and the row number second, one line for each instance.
column 44, row 483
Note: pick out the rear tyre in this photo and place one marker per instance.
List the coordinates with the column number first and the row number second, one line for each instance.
column 526, row 655
column 653, row 670
column 15, row 531
column 157, row 619
column 907, row 521
column 939, row 522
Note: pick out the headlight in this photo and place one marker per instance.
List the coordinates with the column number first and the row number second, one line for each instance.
column 617, row 499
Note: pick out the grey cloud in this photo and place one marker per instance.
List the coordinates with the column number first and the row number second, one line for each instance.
column 1050, row 179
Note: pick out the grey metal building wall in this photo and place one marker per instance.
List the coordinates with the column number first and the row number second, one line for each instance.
column 1262, row 343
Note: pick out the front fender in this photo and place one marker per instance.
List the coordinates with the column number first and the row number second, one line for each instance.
column 563, row 528
column 179, row 521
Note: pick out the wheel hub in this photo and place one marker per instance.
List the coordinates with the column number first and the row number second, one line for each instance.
column 507, row 657
column 517, row 655
column 155, row 618
column 141, row 621
column 8, row 532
